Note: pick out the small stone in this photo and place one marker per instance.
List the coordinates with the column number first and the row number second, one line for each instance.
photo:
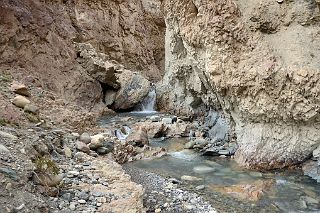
column 82, row 147
column 99, row 204
column 201, row 187
column 67, row 152
column 20, row 101
column 280, row 1
column 101, row 199
column 30, row 108
column 3, row 149
column 73, row 174
column 223, row 152
column 190, row 178
column 157, row 210
column 19, row 89
column 72, row 206
column 82, row 201
column 155, row 118
column 203, row 169
column 75, row 134
column 9, row 186
column 167, row 120
column 85, row 138
column 20, row 207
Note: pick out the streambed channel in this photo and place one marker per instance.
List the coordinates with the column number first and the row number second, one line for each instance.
column 221, row 182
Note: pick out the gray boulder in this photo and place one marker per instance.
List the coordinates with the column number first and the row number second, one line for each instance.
column 133, row 89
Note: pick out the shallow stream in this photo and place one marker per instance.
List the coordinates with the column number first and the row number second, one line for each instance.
column 229, row 187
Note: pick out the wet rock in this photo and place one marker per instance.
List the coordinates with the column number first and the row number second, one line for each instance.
column 312, row 169
column 19, row 89
column 200, row 143
column 190, row 145
column 20, row 101
column 200, row 187
column 85, row 138
column 190, row 178
column 30, row 108
column 133, row 89
column 223, row 152
column 82, row 147
column 203, row 169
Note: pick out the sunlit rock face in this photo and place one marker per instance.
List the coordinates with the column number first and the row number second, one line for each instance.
column 257, row 62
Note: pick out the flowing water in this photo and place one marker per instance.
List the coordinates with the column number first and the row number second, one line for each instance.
column 148, row 104
column 228, row 187
column 227, row 184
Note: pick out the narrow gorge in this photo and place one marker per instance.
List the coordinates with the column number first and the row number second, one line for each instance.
column 159, row 106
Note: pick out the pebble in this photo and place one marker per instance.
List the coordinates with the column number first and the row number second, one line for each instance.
column 101, row 199
column 201, row 187
column 157, row 210
column 72, row 206
column 82, row 201
column 9, row 186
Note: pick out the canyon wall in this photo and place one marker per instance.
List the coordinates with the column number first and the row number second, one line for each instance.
column 39, row 42
column 256, row 62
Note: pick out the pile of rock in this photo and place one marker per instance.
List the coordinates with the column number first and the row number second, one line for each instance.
column 23, row 102
column 101, row 143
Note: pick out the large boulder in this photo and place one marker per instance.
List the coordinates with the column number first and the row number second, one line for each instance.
column 138, row 136
column 96, row 66
column 133, row 89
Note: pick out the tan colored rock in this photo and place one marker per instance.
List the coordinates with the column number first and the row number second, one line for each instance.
column 82, row 147
column 31, row 108
column 190, row 178
column 243, row 61
column 138, row 136
column 20, row 101
column 109, row 97
column 155, row 129
column 47, row 179
column 67, row 152
column 19, row 89
column 96, row 142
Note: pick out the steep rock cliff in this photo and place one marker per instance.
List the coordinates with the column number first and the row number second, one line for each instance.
column 255, row 61
column 39, row 39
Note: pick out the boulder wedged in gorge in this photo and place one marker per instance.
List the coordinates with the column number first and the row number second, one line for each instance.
column 133, row 88
column 257, row 63
column 39, row 44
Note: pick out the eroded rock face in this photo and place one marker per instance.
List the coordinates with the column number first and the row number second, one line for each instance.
column 256, row 62
column 39, row 43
